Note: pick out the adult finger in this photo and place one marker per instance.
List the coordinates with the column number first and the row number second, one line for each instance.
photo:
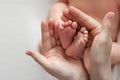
column 46, row 42
column 38, row 58
column 67, row 15
column 107, row 21
column 105, row 33
column 84, row 19
column 51, row 25
column 103, row 40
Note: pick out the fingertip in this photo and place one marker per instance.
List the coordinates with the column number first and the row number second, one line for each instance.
column 37, row 57
column 28, row 52
column 111, row 15
column 65, row 12
column 108, row 20
column 71, row 7
column 31, row 52
column 44, row 26
column 43, row 22
column 51, row 23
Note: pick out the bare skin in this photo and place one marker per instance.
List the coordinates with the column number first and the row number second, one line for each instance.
column 93, row 26
column 67, row 32
column 75, row 50
column 101, row 65
column 102, row 38
column 70, row 42
column 96, row 9
column 53, row 59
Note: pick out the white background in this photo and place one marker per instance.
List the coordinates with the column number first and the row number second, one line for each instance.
column 19, row 31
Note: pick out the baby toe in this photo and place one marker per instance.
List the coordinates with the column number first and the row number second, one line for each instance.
column 74, row 25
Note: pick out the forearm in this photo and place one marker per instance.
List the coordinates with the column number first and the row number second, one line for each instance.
column 115, row 53
column 57, row 9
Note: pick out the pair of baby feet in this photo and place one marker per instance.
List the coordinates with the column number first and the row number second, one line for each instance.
column 73, row 43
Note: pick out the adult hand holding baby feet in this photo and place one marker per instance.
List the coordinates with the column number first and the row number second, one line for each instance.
column 97, row 57
column 53, row 58
column 92, row 25
column 74, row 45
column 57, row 64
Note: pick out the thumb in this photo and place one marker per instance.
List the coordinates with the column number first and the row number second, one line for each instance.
column 107, row 21
column 39, row 58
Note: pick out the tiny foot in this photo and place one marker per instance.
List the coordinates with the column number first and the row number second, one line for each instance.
column 76, row 49
column 67, row 32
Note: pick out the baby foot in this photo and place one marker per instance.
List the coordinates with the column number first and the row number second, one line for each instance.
column 67, row 32
column 76, row 49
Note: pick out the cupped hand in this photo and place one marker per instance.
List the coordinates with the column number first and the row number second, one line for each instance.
column 53, row 58
column 100, row 49
column 97, row 56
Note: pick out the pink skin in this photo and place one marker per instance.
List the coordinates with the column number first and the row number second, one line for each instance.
column 76, row 49
column 52, row 57
column 67, row 32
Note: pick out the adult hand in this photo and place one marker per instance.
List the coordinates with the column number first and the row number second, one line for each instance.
column 53, row 58
column 97, row 57
column 83, row 19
